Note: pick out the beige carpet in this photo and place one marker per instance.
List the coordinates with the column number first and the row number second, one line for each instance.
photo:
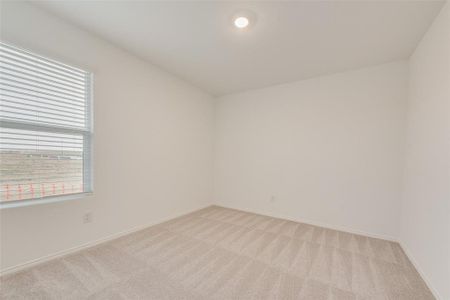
column 219, row 253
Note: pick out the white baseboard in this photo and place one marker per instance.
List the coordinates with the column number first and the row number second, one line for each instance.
column 315, row 223
column 421, row 273
column 72, row 250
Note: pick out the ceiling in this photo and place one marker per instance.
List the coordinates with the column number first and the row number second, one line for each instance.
column 287, row 41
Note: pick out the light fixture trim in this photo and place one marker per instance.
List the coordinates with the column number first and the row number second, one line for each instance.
column 241, row 22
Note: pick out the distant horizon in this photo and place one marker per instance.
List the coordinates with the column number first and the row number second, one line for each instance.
column 49, row 173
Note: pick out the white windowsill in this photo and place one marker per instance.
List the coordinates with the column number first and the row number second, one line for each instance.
column 20, row 203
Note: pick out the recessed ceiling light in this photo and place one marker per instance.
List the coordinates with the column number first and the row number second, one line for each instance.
column 241, row 22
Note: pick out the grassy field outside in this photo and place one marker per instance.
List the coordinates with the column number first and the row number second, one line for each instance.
column 28, row 174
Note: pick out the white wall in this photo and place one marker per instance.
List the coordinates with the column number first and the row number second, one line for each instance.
column 425, row 222
column 330, row 149
column 153, row 143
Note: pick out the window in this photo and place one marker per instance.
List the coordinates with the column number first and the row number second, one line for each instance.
column 45, row 128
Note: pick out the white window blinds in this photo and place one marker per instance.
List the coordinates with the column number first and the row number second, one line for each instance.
column 46, row 133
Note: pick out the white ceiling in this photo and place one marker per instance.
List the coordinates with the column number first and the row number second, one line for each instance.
column 289, row 40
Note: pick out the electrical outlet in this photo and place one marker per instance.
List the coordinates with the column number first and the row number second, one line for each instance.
column 272, row 199
column 87, row 218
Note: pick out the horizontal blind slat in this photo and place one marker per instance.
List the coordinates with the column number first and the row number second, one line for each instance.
column 41, row 90
column 25, row 99
column 20, row 63
column 10, row 62
column 30, row 56
column 40, row 64
column 41, row 121
column 6, row 72
column 31, row 93
column 38, row 135
column 43, row 114
column 13, row 69
column 43, row 110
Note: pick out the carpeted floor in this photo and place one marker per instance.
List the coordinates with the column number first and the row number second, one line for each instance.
column 219, row 253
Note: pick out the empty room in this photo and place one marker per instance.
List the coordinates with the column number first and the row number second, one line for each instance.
column 225, row 149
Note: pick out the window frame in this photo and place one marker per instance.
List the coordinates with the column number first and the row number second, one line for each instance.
column 87, row 133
